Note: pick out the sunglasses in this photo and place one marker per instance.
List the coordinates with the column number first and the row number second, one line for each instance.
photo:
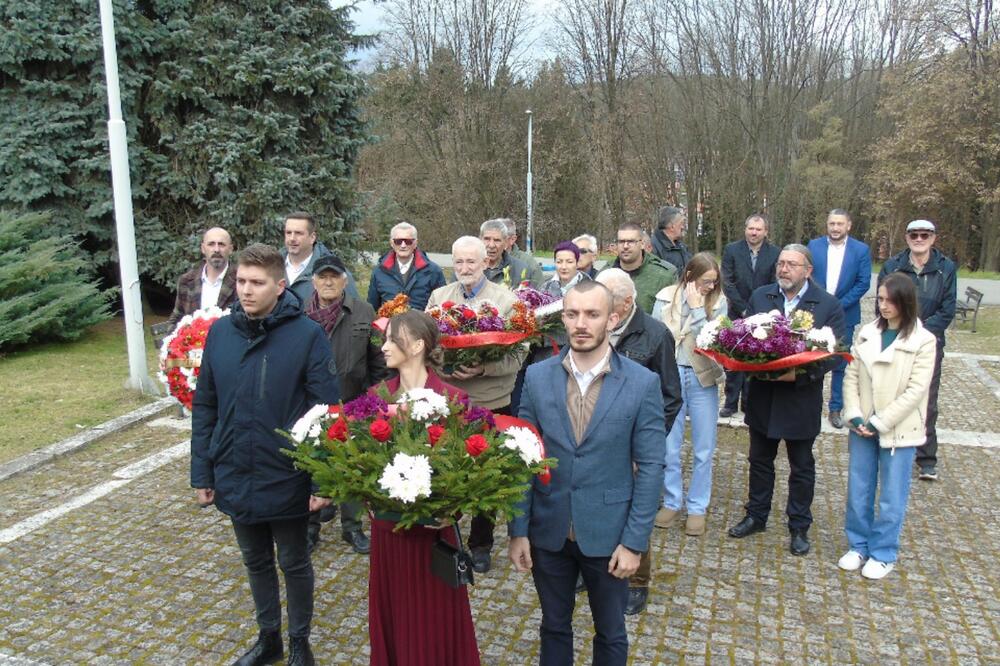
column 405, row 242
column 920, row 235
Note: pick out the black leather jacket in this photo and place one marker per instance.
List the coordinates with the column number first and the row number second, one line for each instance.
column 649, row 343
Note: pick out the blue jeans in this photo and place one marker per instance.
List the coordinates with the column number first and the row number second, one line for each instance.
column 837, row 376
column 871, row 466
column 701, row 403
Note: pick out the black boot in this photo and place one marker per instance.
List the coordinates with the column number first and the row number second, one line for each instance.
column 299, row 652
column 267, row 650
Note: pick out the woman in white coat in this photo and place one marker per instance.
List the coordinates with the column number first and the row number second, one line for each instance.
column 885, row 403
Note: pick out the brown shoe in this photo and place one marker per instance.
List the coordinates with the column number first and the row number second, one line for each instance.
column 665, row 517
column 695, row 525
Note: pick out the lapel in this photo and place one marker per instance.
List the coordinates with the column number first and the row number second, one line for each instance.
column 613, row 384
column 819, row 261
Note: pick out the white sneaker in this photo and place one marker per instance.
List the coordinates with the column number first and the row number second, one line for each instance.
column 851, row 561
column 876, row 570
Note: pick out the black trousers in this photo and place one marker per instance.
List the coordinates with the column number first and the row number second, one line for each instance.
column 801, row 479
column 257, row 544
column 736, row 391
column 927, row 454
column 555, row 576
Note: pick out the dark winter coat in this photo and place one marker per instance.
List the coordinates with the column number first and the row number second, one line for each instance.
column 360, row 364
column 387, row 282
column 793, row 410
column 937, row 288
column 674, row 253
column 650, row 344
column 258, row 375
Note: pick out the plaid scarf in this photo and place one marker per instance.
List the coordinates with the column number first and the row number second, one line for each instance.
column 326, row 317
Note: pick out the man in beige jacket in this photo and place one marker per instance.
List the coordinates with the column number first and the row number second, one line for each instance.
column 489, row 385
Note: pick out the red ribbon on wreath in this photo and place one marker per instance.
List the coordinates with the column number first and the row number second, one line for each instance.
column 793, row 361
column 504, row 338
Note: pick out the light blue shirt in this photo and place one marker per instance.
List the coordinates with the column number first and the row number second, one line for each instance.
column 469, row 295
column 791, row 304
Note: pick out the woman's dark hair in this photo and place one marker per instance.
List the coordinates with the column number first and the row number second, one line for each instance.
column 567, row 246
column 417, row 326
column 902, row 293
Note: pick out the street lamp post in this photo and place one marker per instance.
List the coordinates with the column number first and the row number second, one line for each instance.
column 122, row 188
column 531, row 233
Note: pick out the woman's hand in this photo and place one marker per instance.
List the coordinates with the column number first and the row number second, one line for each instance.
column 693, row 296
column 863, row 431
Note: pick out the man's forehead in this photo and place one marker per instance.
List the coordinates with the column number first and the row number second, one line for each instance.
column 492, row 234
column 594, row 299
column 629, row 233
column 792, row 255
column 465, row 253
column 216, row 235
column 296, row 224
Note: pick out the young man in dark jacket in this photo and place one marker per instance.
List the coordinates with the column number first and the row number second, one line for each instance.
column 404, row 269
column 263, row 367
column 937, row 290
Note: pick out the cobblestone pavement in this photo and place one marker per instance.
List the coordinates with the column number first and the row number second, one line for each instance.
column 106, row 559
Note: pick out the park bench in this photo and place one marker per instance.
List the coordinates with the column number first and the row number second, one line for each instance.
column 969, row 307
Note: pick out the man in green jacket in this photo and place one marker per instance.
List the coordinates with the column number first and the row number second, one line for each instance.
column 649, row 273
column 535, row 274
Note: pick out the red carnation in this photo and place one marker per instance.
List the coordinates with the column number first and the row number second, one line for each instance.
column 434, row 433
column 475, row 445
column 468, row 313
column 338, row 430
column 380, row 430
column 447, row 305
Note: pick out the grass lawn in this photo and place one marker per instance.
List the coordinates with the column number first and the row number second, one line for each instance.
column 55, row 390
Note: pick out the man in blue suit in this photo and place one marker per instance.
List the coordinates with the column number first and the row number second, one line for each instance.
column 842, row 266
column 601, row 415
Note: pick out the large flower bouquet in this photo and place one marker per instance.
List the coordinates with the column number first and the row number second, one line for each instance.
column 420, row 457
column 180, row 353
column 768, row 344
column 477, row 334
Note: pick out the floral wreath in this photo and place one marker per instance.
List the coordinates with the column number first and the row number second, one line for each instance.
column 180, row 353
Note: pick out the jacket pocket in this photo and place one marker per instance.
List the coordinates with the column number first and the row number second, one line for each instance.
column 617, row 495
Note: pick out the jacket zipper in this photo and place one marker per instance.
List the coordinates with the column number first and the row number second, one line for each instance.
column 263, row 378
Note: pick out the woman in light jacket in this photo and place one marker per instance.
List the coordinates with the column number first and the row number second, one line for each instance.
column 566, row 256
column 685, row 309
column 885, row 404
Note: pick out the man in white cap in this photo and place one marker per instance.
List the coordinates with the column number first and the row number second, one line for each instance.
column 936, row 278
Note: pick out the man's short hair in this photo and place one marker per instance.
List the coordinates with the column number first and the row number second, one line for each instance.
column 266, row 257
column 302, row 215
column 402, row 226
column 631, row 226
column 666, row 216
column 496, row 224
column 801, row 249
column 589, row 285
column 511, row 225
column 618, row 283
column 839, row 211
column 587, row 237
column 470, row 242
column 757, row 216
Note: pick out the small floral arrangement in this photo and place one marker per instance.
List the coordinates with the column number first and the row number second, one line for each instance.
column 398, row 305
column 474, row 334
column 767, row 343
column 180, row 353
column 546, row 308
column 420, row 456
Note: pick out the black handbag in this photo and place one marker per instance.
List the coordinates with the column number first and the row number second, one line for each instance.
column 452, row 565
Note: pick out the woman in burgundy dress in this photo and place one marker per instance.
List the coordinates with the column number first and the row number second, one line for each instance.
column 414, row 618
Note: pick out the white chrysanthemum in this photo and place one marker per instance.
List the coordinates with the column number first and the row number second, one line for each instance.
column 303, row 427
column 823, row 337
column 709, row 333
column 549, row 308
column 525, row 443
column 761, row 318
column 759, row 333
column 407, row 477
column 425, row 404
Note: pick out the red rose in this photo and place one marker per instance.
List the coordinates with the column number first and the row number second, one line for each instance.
column 469, row 314
column 380, row 430
column 338, row 430
column 434, row 433
column 447, row 305
column 475, row 445
column 545, row 477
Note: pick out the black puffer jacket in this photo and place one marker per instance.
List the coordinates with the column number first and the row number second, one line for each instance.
column 937, row 288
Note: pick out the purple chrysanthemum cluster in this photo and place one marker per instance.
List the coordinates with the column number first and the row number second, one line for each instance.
column 365, row 406
column 491, row 323
column 474, row 414
column 781, row 341
column 534, row 298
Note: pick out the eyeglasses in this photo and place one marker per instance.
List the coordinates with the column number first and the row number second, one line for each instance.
column 702, row 282
column 919, row 235
column 789, row 264
column 405, row 242
column 629, row 241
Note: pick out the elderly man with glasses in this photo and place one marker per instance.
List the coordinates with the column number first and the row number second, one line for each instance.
column 404, row 269
column 937, row 285
column 588, row 254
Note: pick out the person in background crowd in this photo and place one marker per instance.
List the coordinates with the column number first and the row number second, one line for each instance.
column 646, row 341
column 301, row 251
column 885, row 399
column 347, row 323
column 936, row 278
column 843, row 266
column 671, row 223
column 588, row 254
column 404, row 269
column 649, row 273
column 501, row 267
column 789, row 407
column 209, row 283
column 263, row 367
column 536, row 276
column 567, row 256
column 687, row 307
column 488, row 385
column 746, row 265
column 601, row 416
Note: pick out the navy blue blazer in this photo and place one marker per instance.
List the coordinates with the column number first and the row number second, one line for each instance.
column 740, row 277
column 855, row 274
column 793, row 410
column 594, row 485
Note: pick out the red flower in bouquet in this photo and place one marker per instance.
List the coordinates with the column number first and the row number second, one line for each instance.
column 475, row 445
column 434, row 433
column 338, row 430
column 380, row 430
column 180, row 354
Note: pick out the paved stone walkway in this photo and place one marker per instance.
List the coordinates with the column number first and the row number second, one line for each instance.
column 106, row 559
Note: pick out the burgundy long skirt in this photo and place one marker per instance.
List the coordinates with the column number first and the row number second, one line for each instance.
column 414, row 618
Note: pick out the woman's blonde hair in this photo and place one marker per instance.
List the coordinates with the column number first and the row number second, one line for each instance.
column 698, row 265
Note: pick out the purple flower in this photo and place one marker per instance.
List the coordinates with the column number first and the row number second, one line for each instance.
column 490, row 323
column 473, row 414
column 365, row 406
column 533, row 297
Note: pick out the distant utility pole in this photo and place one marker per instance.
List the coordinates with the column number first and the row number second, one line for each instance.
column 531, row 232
column 118, row 147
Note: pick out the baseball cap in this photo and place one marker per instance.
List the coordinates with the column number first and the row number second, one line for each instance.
column 329, row 262
column 920, row 225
